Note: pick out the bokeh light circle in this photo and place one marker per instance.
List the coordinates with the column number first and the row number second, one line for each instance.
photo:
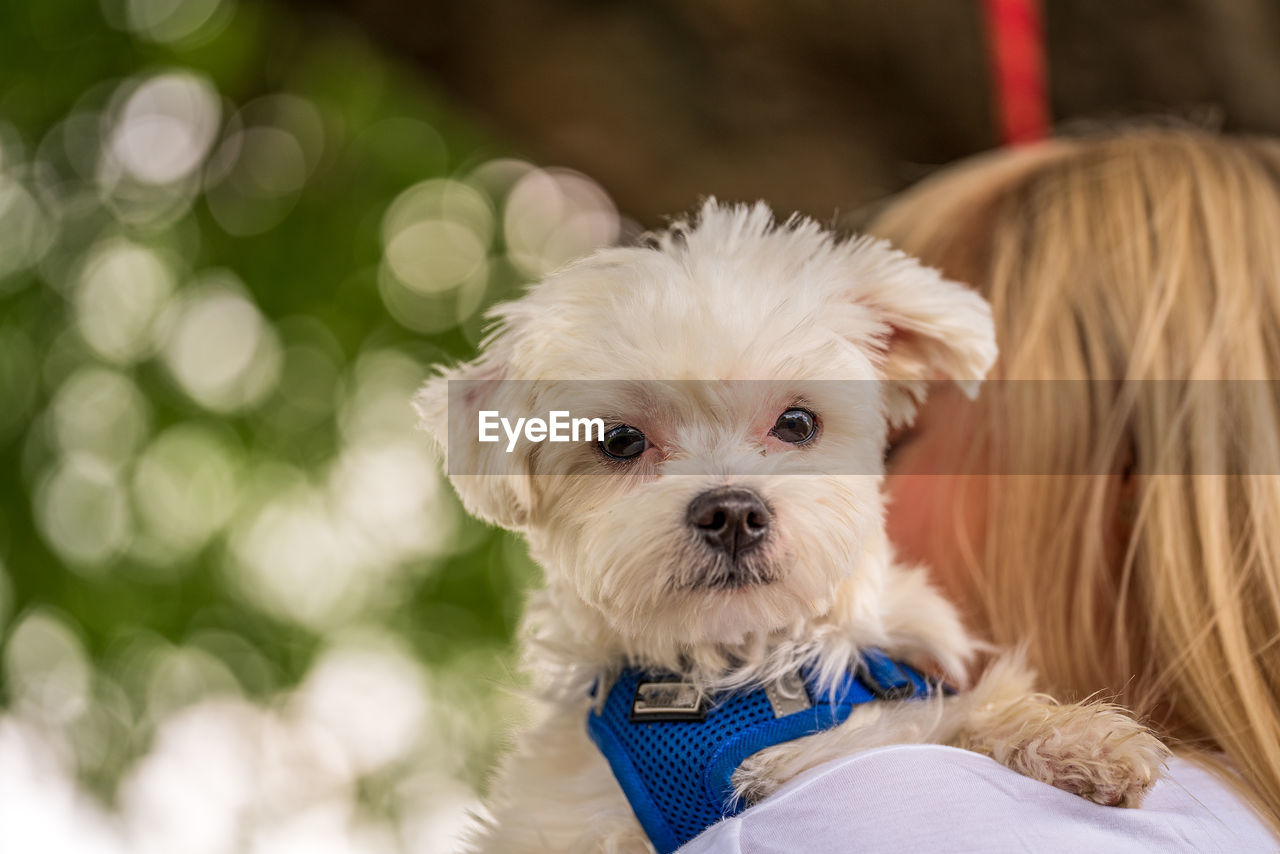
column 27, row 229
column 100, row 412
column 435, row 255
column 372, row 696
column 271, row 148
column 553, row 216
column 165, row 127
column 82, row 511
column 436, row 237
column 46, row 668
column 218, row 347
column 121, row 290
column 173, row 20
column 185, row 486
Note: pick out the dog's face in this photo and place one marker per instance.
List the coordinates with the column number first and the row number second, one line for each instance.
column 737, row 368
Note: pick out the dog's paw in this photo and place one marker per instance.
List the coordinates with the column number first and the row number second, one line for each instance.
column 1093, row 750
column 759, row 776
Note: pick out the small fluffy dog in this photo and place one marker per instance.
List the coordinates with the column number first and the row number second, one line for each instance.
column 728, row 530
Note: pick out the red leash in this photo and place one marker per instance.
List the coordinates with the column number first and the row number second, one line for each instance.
column 1015, row 39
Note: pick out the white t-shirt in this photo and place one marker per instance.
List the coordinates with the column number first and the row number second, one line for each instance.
column 926, row 797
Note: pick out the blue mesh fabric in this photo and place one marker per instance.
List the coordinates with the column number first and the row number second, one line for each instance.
column 670, row 757
column 676, row 773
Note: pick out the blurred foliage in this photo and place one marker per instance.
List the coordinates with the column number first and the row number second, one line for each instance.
column 233, row 240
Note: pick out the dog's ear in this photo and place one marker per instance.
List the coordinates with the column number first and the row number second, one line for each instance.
column 929, row 327
column 494, row 484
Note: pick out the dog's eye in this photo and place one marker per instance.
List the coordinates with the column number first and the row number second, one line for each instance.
column 795, row 426
column 624, row 443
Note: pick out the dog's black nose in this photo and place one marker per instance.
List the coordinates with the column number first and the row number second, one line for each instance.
column 729, row 519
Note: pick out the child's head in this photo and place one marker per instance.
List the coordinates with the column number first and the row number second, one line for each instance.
column 1145, row 569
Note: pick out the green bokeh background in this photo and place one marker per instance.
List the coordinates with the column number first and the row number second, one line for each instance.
column 111, row 631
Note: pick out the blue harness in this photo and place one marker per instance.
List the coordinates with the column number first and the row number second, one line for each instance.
column 674, row 753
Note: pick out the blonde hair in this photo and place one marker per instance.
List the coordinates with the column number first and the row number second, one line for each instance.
column 1148, row 255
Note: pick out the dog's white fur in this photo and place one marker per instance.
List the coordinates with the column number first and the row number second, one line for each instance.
column 732, row 295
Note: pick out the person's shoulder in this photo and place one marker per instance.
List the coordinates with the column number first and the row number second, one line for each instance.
column 932, row 797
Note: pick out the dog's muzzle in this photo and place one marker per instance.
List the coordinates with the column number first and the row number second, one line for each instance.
column 731, row 524
column 730, row 520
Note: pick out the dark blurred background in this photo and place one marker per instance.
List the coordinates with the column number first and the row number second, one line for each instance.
column 815, row 105
column 240, row 611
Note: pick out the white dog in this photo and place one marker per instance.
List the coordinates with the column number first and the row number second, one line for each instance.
column 724, row 543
